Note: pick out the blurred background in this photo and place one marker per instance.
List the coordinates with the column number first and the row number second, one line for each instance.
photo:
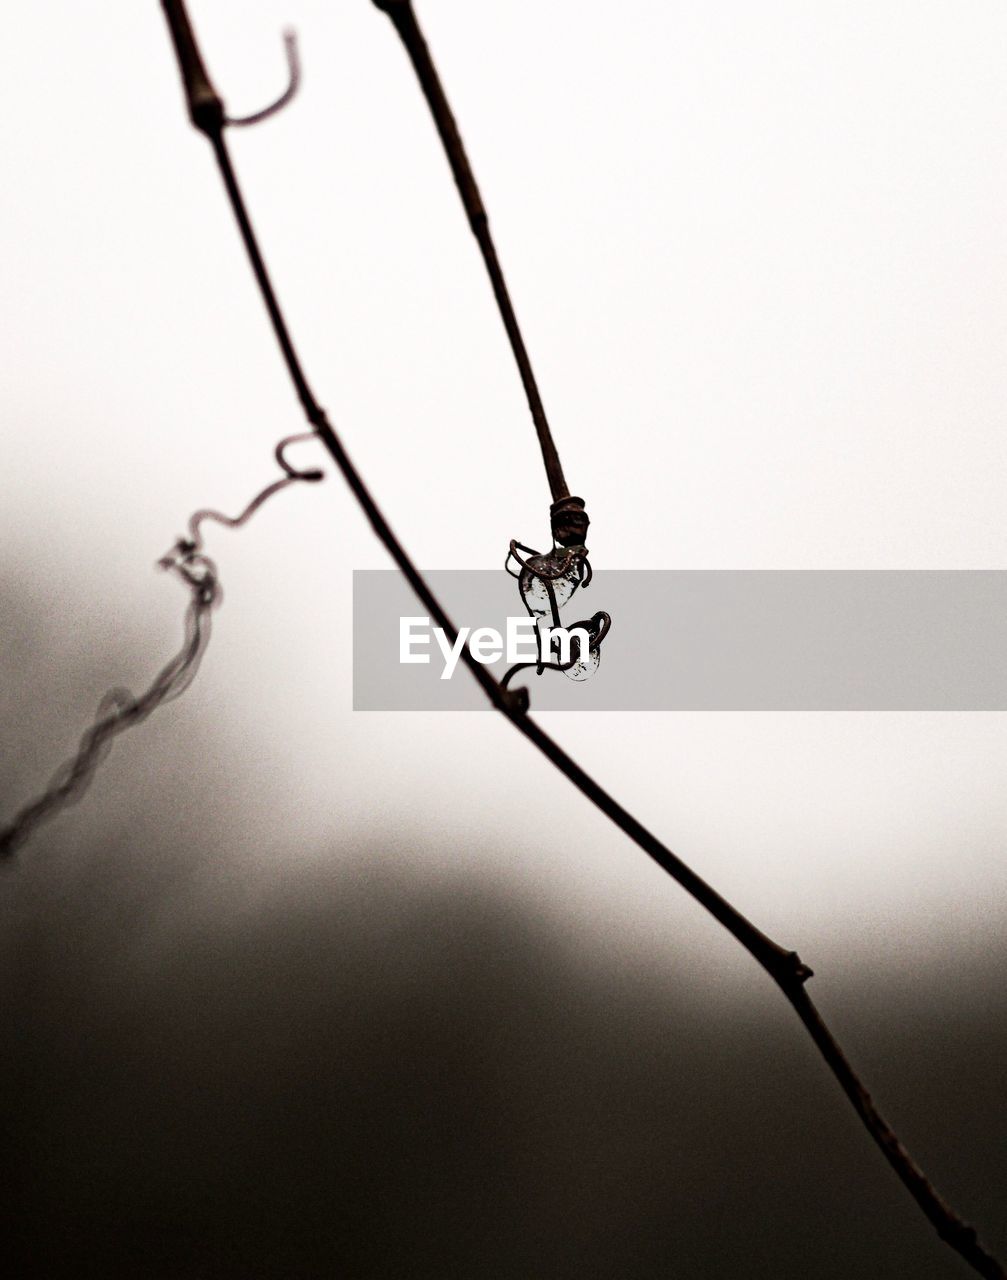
column 298, row 991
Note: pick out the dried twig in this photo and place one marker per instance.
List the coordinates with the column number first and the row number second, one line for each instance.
column 785, row 967
column 405, row 22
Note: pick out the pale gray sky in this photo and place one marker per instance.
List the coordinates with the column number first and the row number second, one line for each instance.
column 758, row 254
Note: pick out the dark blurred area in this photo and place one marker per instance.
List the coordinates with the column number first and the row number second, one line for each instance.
column 361, row 1069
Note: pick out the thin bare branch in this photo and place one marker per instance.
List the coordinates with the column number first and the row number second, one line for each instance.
column 404, row 19
column 785, row 967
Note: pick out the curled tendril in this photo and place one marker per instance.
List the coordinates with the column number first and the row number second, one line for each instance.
column 293, row 84
column 119, row 710
column 549, row 569
column 562, row 562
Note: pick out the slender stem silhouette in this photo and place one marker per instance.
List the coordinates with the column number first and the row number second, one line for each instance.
column 405, row 22
column 207, row 113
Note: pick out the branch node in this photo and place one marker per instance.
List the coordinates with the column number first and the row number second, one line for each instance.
column 206, row 110
column 569, row 521
column 790, row 971
column 515, row 701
